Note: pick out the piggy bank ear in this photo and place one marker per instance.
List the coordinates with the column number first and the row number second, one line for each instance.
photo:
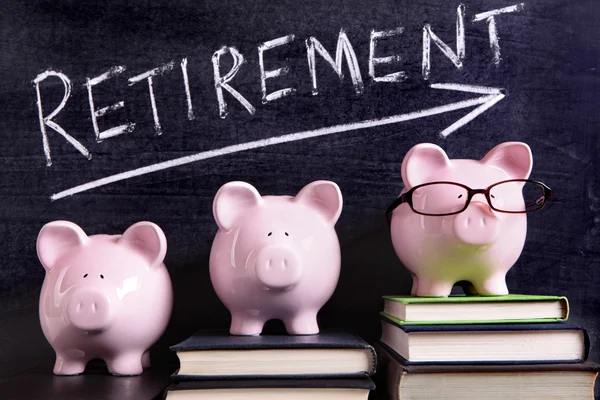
column 233, row 199
column 325, row 197
column 513, row 157
column 421, row 161
column 147, row 239
column 56, row 239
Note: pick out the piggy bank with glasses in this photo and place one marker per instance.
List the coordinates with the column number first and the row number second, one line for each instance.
column 104, row 296
column 463, row 220
column 275, row 257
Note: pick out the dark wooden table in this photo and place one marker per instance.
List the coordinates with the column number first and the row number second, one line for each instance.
column 40, row 384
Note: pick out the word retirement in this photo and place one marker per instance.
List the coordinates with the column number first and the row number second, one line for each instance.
column 223, row 81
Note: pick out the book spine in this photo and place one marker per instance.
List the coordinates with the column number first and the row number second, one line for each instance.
column 371, row 349
column 586, row 338
column 565, row 305
column 373, row 369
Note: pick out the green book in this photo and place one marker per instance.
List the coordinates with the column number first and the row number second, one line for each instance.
column 462, row 309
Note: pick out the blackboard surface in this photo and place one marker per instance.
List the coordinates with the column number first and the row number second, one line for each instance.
column 530, row 71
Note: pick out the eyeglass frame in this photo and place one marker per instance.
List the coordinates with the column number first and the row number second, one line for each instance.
column 406, row 197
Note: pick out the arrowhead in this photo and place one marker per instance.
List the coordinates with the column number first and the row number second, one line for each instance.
column 492, row 96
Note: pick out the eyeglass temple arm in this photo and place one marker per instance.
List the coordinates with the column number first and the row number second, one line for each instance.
column 399, row 200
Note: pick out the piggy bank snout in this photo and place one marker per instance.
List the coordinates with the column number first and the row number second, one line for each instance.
column 89, row 310
column 278, row 267
column 477, row 225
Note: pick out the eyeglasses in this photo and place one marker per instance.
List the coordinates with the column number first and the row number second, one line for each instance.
column 449, row 198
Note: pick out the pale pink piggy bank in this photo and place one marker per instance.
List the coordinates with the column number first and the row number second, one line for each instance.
column 107, row 297
column 464, row 220
column 275, row 257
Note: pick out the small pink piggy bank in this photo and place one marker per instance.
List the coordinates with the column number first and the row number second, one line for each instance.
column 104, row 296
column 275, row 256
column 464, row 220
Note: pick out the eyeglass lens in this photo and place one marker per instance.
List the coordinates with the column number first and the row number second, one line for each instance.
column 446, row 198
column 506, row 196
column 439, row 198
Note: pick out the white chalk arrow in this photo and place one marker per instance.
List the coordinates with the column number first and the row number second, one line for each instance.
column 490, row 96
column 493, row 95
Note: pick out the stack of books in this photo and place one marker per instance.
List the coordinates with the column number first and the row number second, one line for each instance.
column 216, row 365
column 476, row 347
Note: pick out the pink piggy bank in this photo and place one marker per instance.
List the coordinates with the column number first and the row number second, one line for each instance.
column 464, row 220
column 104, row 296
column 275, row 256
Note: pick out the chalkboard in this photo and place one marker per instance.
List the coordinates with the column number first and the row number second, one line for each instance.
column 115, row 112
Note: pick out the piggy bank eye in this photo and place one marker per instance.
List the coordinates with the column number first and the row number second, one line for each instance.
column 85, row 276
column 287, row 234
column 270, row 233
column 101, row 276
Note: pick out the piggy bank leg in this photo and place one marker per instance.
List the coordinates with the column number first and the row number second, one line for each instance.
column 146, row 359
column 492, row 286
column 302, row 324
column 432, row 288
column 415, row 285
column 245, row 325
column 66, row 365
column 125, row 364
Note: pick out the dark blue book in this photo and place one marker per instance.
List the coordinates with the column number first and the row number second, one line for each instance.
column 490, row 343
column 396, row 381
column 260, row 389
column 219, row 355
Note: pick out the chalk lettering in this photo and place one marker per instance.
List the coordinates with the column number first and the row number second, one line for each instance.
column 117, row 130
column 493, row 30
column 264, row 75
column 222, row 82
column 456, row 58
column 373, row 61
column 47, row 121
column 344, row 47
column 148, row 75
column 186, row 83
column 344, row 53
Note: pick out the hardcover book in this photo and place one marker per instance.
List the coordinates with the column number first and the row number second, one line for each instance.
column 572, row 381
column 272, row 389
column 462, row 309
column 219, row 355
column 501, row 343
